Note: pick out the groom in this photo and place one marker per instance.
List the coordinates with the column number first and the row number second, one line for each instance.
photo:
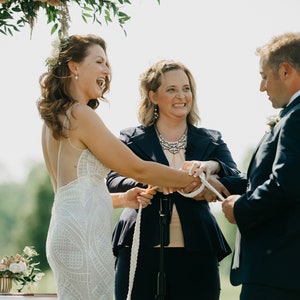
column 265, row 202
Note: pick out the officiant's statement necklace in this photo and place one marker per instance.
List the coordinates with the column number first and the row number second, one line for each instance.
column 173, row 147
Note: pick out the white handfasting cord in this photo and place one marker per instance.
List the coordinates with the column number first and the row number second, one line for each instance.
column 136, row 234
column 134, row 251
column 237, row 245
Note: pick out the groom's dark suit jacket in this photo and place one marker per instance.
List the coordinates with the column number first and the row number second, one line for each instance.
column 268, row 212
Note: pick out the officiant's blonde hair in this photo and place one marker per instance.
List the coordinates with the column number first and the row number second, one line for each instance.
column 151, row 81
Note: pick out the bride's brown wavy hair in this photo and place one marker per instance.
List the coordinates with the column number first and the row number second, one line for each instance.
column 55, row 93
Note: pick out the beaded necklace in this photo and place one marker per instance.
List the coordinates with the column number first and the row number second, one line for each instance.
column 173, row 147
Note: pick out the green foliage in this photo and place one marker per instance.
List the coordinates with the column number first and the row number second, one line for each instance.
column 12, row 198
column 16, row 14
column 25, row 213
column 38, row 217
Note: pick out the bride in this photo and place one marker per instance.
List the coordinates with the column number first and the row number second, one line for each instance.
column 79, row 151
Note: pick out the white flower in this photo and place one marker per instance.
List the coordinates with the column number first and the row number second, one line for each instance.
column 52, row 60
column 272, row 121
column 55, row 43
column 21, row 268
column 55, row 53
column 39, row 276
column 18, row 267
column 30, row 252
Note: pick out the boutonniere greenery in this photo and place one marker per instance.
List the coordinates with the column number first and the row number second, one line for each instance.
column 272, row 121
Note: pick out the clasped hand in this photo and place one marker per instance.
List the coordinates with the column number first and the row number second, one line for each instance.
column 210, row 168
column 196, row 168
column 137, row 195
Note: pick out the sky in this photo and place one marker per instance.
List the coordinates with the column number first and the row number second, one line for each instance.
column 215, row 39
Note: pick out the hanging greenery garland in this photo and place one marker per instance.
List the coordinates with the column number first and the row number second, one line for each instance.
column 16, row 14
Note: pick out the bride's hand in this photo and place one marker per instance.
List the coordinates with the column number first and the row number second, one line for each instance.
column 137, row 195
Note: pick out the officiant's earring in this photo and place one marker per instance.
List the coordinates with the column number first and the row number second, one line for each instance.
column 155, row 115
column 76, row 77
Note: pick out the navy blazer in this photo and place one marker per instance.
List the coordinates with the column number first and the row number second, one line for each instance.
column 268, row 212
column 200, row 229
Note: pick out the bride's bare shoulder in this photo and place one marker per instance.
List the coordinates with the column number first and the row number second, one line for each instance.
column 80, row 110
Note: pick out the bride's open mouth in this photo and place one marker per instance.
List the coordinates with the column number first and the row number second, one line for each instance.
column 101, row 82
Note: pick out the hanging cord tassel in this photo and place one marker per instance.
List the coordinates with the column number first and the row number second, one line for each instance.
column 134, row 251
column 237, row 250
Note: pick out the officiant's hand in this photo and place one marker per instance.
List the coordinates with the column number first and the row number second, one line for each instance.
column 196, row 167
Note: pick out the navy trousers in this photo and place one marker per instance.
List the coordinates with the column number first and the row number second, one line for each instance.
column 189, row 275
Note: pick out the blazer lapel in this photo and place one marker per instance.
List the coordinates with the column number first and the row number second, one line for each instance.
column 198, row 144
column 149, row 145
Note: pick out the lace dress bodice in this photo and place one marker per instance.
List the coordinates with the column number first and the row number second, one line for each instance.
column 79, row 238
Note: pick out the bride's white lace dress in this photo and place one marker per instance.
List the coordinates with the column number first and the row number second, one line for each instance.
column 79, row 238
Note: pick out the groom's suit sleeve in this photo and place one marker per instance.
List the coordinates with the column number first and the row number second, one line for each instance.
column 235, row 184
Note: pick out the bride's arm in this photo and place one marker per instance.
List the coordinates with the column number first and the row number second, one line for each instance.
column 92, row 132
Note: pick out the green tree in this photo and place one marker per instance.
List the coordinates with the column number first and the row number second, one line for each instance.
column 33, row 225
column 39, row 217
column 12, row 195
column 15, row 14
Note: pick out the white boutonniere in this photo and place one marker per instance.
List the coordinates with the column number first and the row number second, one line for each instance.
column 272, row 121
